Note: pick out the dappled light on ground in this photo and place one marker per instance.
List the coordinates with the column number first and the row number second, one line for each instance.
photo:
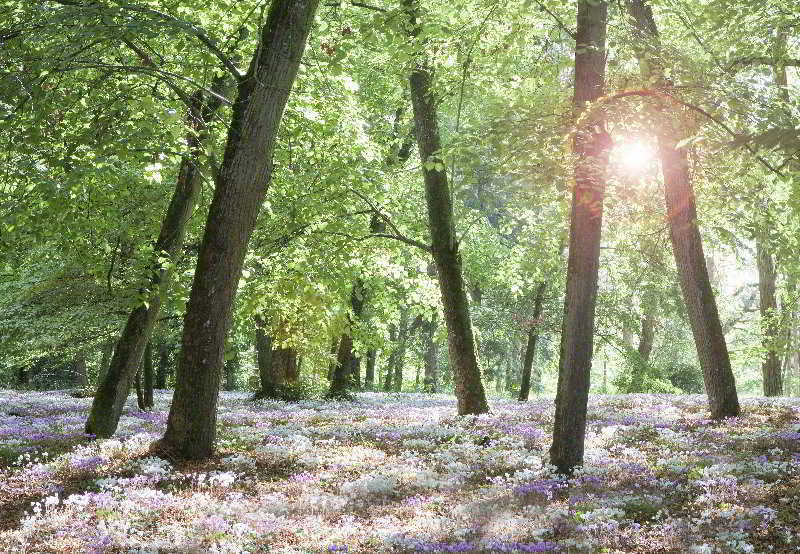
column 401, row 473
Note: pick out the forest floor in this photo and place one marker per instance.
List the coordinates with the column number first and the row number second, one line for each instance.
column 401, row 473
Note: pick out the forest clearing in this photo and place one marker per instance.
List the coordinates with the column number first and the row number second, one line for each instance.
column 399, row 276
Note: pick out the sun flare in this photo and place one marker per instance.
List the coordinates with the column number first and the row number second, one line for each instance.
column 633, row 156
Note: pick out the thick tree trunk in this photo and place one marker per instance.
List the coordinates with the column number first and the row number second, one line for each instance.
column 163, row 365
column 591, row 145
column 463, row 360
column 687, row 245
column 147, row 374
column 345, row 373
column 530, row 346
column 113, row 390
column 430, row 381
column 79, row 369
column 241, row 186
column 771, row 366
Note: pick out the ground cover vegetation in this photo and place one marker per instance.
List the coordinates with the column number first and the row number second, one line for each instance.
column 399, row 276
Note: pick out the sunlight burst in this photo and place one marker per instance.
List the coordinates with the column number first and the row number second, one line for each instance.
column 633, row 156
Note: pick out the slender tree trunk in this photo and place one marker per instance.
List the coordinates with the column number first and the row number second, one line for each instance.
column 231, row 368
column 399, row 360
column 105, row 359
column 79, row 369
column 591, row 145
column 267, row 379
column 771, row 365
column 163, row 365
column 431, row 378
column 648, row 336
column 346, row 363
column 463, row 360
column 530, row 346
column 140, row 403
column 387, row 382
column 241, row 186
column 113, row 390
column 687, row 245
column 369, row 372
column 147, row 374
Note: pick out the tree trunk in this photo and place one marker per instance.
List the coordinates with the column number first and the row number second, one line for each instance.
column 231, row 368
column 105, row 359
column 431, row 376
column 113, row 390
column 768, row 305
column 687, row 245
column 79, row 369
column 387, row 382
column 140, row 403
column 345, row 374
column 399, row 360
column 241, row 186
column 147, row 371
column 530, row 347
column 163, row 365
column 591, row 145
column 267, row 379
column 648, row 336
column 463, row 360
column 369, row 372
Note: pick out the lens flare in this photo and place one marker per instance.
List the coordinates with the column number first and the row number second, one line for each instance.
column 633, row 157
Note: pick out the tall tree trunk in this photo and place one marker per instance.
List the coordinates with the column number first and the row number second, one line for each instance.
column 768, row 305
column 147, row 371
column 463, row 360
column 431, row 379
column 399, row 360
column 241, row 186
column 687, row 245
column 369, row 371
column 591, row 145
column 140, row 403
column 530, row 346
column 113, row 391
column 163, row 365
column 648, row 336
column 387, row 382
column 231, row 369
column 346, row 363
column 267, row 380
column 105, row 359
column 79, row 369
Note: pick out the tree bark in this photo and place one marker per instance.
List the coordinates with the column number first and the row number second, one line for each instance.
column 113, row 390
column 147, row 374
column 79, row 369
column 530, row 346
column 591, row 145
column 430, row 382
column 345, row 374
column 163, row 365
column 687, row 246
column 231, row 368
column 768, row 306
column 241, row 186
column 463, row 360
column 369, row 371
column 105, row 359
column 140, row 403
